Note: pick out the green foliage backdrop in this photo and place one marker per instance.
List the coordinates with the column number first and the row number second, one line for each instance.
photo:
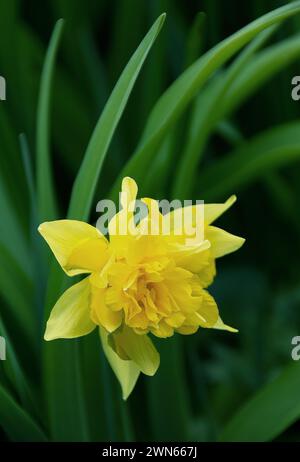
column 198, row 107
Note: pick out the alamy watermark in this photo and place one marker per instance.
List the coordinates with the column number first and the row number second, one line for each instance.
column 2, row 88
column 2, row 349
column 179, row 218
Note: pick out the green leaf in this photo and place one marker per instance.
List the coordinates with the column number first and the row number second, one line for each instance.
column 138, row 348
column 28, row 173
column 267, row 151
column 86, row 180
column 126, row 371
column 175, row 100
column 16, row 423
column 283, row 197
column 10, row 162
column 45, row 189
column 273, row 409
column 64, row 385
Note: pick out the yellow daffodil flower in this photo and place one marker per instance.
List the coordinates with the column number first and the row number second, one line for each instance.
column 138, row 283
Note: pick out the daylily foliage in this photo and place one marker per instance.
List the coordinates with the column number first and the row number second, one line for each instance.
column 138, row 283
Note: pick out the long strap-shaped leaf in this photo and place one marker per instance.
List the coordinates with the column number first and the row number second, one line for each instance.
column 273, row 409
column 174, row 101
column 250, row 76
column 45, row 188
column 260, row 68
column 206, row 114
column 14, row 372
column 17, row 424
column 86, row 180
column 63, row 379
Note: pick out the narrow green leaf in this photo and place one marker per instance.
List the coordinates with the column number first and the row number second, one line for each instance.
column 19, row 301
column 64, row 391
column 45, row 188
column 195, row 39
column 270, row 150
column 273, row 409
column 283, row 196
column 28, row 170
column 86, row 180
column 11, row 234
column 61, row 381
column 10, row 162
column 171, row 416
column 138, row 348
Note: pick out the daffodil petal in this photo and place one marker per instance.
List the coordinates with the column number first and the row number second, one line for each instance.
column 130, row 189
column 222, row 242
column 213, row 211
column 70, row 316
column 221, row 326
column 163, row 330
column 77, row 246
column 127, row 372
column 138, row 348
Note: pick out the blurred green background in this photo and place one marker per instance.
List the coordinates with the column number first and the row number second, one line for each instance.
column 239, row 133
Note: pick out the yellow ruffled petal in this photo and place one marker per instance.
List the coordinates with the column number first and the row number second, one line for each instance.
column 213, row 211
column 191, row 257
column 101, row 314
column 222, row 242
column 162, row 330
column 77, row 246
column 70, row 316
column 121, row 227
column 207, row 272
column 127, row 372
column 138, row 348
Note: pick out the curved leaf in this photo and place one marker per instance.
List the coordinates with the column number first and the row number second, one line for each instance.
column 45, row 188
column 274, row 408
column 174, row 101
column 126, row 371
column 271, row 149
column 16, row 423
